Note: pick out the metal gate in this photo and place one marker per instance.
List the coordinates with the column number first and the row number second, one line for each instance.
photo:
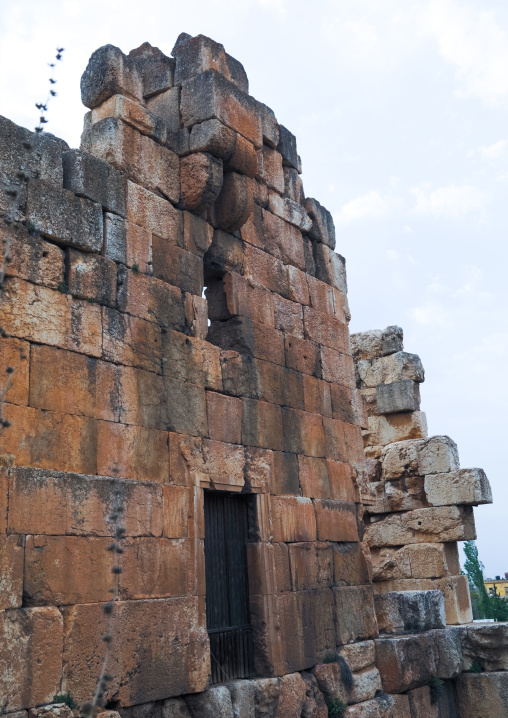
column 227, row 591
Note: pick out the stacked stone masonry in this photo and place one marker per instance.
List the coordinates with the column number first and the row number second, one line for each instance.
column 177, row 317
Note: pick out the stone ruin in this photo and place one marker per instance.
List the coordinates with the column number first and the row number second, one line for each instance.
column 183, row 316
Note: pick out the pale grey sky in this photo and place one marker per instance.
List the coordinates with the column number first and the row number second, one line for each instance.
column 400, row 110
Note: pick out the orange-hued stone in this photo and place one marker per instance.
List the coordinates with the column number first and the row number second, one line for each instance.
column 259, row 469
column 192, row 360
column 262, row 424
column 161, row 568
column 303, row 433
column 340, row 476
column 293, row 519
column 351, row 567
column 150, row 298
column 321, row 296
column 32, row 258
column 177, row 266
column 131, row 341
column 247, row 299
column 55, row 503
column 30, row 656
column 47, row 316
column 138, row 246
column 311, row 565
column 314, row 477
column 4, row 499
column 325, row 329
column 336, row 521
column 50, row 440
column 337, row 367
column 288, row 316
column 156, row 214
column 183, row 512
column 186, row 462
column 224, row 464
column 62, row 570
column 14, row 354
column 265, row 269
column 132, row 452
column 160, row 649
column 11, row 570
column 224, row 417
column 317, row 396
column 298, row 287
column 261, row 568
column 303, row 356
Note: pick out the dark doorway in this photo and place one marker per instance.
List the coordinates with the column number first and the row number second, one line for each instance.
column 227, row 589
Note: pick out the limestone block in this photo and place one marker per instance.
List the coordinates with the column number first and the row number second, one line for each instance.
column 330, row 267
column 235, row 202
column 270, row 233
column 66, row 219
column 269, row 126
column 422, row 704
column 425, row 560
column 437, row 455
column 92, row 277
column 166, row 106
column 311, row 565
column 11, row 353
column 336, row 520
column 454, row 588
column 54, row 503
column 298, row 290
column 11, row 571
column 131, row 341
column 439, row 524
column 350, row 565
column 268, row 271
column 333, row 335
column 30, row 656
column 110, row 72
column 366, row 684
column 286, row 477
column 314, row 477
column 201, row 178
column 267, row 697
column 224, row 417
column 288, row 316
column 95, row 179
column 293, row 213
column 129, row 112
column 355, row 614
column 377, row 343
column 481, row 694
column 401, row 459
column 132, row 452
column 293, row 519
column 214, row 701
column 292, row 696
column 323, row 228
column 210, row 95
column 244, row 158
column 32, row 258
column 248, row 337
column 197, row 54
column 197, row 234
column 402, row 395
column 406, row 662
column 147, row 209
column 383, row 430
column 224, row 464
column 486, row 643
column 61, row 710
column 150, row 298
column 144, row 161
column 314, row 705
column 302, row 355
column 177, row 266
column 262, row 425
column 359, row 655
column 175, row 708
column 398, row 495
column 270, row 169
column 387, row 369
column 462, row 486
column 61, row 570
column 214, row 137
column 287, row 147
column 303, row 433
column 155, row 68
column 409, row 611
column 243, row 695
column 164, row 640
column 196, row 315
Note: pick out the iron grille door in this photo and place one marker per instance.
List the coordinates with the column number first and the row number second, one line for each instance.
column 227, row 591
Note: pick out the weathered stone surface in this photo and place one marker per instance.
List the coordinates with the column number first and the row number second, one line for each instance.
column 359, row 655
column 197, row 54
column 383, row 430
column 425, row 560
column 130, row 112
column 155, row 68
column 201, row 177
column 214, row 701
column 287, row 147
column 110, row 72
column 402, row 395
column 267, row 692
column 214, row 137
column 292, row 696
column 95, row 179
column 30, row 656
column 177, row 266
column 330, row 267
column 32, row 258
column 166, row 105
column 323, row 229
column 244, row 158
column 462, row 486
column 131, row 341
column 482, row 694
column 92, row 277
column 175, row 708
column 376, row 343
column 438, row 455
column 422, row 704
column 210, row 95
column 243, row 696
column 293, row 519
column 293, row 213
column 235, row 202
column 387, row 369
column 314, row 705
column 61, row 216
column 439, row 524
column 150, row 298
column 486, row 643
column 355, row 614
column 12, row 551
column 409, row 611
column 166, row 633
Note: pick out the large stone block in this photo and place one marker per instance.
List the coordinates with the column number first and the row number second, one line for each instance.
column 377, row 343
column 314, row 477
column 351, row 566
column 262, row 425
column 402, row 395
column 336, row 520
column 333, row 334
column 311, row 565
column 63, row 217
column 161, row 649
column 156, row 214
column 150, row 298
column 355, row 614
column 425, row 560
column 14, row 354
column 487, row 644
column 196, row 54
column 463, row 486
column 131, row 341
column 406, row 662
column 92, row 277
column 244, row 158
column 409, row 611
column 303, row 433
column 383, row 430
column 132, row 452
column 330, row 267
column 290, row 211
column 110, row 72
column 323, row 229
column 214, row 701
column 30, row 657
column 214, row 137
column 432, row 525
column 291, row 697
column 302, row 355
column 288, row 316
column 482, row 694
column 12, row 551
column 265, row 269
column 387, row 369
column 95, row 179
column 201, row 178
column 235, row 202
column 156, row 69
column 54, row 503
column 293, row 519
column 32, row 258
column 287, row 147
column 209, row 95
column 192, row 360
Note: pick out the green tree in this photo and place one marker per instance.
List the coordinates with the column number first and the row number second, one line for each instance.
column 488, row 606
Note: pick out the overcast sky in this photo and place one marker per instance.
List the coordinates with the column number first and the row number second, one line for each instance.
column 400, row 110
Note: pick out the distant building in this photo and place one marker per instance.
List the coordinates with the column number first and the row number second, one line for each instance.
column 501, row 584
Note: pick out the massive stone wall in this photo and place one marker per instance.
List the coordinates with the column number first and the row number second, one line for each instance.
column 178, row 322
